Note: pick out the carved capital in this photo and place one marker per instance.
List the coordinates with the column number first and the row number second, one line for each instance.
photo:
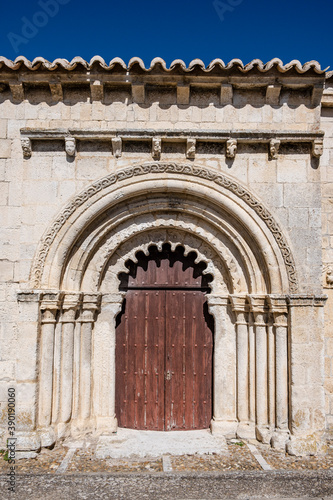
column 71, row 303
column 90, row 306
column 317, row 148
column 231, row 148
column 70, row 146
column 258, row 308
column 156, row 148
column 26, row 147
column 274, row 146
column 191, row 148
column 117, row 146
column 240, row 307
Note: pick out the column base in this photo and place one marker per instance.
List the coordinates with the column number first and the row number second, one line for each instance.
column 225, row 428
column 80, row 427
column 107, row 424
column 27, row 441
column 280, row 439
column 246, row 430
column 47, row 437
column 302, row 446
column 264, row 433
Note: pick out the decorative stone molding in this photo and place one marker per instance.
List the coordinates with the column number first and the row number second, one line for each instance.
column 156, row 148
column 274, row 148
column 230, row 137
column 306, row 300
column 191, row 148
column 70, row 146
column 117, row 146
column 142, row 241
column 231, row 148
column 26, row 147
column 157, row 169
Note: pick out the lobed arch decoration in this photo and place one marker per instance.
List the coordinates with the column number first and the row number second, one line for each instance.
column 78, row 267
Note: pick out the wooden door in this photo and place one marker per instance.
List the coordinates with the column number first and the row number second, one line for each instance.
column 164, row 349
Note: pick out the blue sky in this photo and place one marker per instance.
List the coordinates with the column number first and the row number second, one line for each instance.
column 184, row 29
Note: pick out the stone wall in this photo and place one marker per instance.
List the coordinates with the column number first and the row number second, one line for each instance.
column 293, row 182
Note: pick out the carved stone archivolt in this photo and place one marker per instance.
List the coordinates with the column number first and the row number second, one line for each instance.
column 157, row 171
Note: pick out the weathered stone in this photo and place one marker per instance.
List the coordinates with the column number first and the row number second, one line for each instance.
column 237, row 174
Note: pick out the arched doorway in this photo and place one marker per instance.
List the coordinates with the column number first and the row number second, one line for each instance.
column 164, row 344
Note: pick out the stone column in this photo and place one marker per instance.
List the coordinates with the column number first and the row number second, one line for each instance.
column 307, row 398
column 49, row 307
column 68, row 317
column 279, row 309
column 104, row 363
column 258, row 307
column 240, row 308
column 224, row 401
column 90, row 306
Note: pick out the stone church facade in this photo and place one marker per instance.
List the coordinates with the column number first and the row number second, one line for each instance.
column 167, row 249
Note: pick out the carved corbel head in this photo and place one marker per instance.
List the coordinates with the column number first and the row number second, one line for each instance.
column 274, row 146
column 231, row 148
column 317, row 148
column 26, row 147
column 191, row 148
column 117, row 146
column 156, row 148
column 70, row 146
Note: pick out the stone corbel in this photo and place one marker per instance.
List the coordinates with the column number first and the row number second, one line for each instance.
column 97, row 91
column 274, row 146
column 70, row 146
column 317, row 148
column 156, row 148
column 117, row 145
column 226, row 94
column 56, row 91
column 191, row 148
column 183, row 93
column 26, row 147
column 273, row 95
column 17, row 91
column 231, row 148
column 138, row 93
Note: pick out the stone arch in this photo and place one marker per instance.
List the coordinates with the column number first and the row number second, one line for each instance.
column 86, row 248
column 211, row 197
